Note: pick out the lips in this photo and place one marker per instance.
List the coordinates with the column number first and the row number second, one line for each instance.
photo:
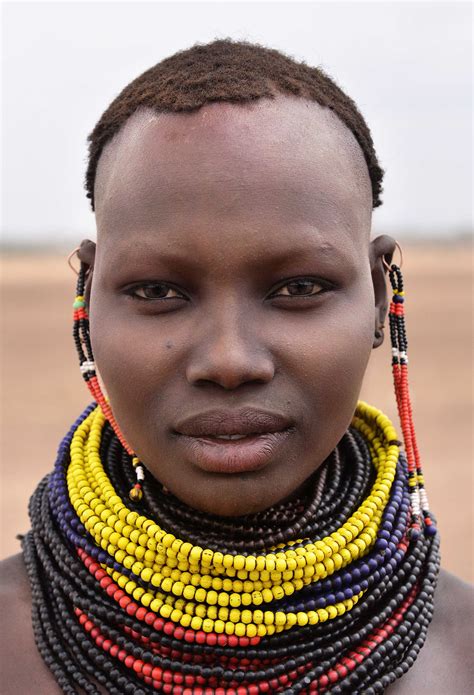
column 233, row 441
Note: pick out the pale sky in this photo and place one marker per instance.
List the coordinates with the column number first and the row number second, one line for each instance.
column 406, row 64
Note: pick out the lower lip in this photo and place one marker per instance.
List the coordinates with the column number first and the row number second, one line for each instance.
column 233, row 456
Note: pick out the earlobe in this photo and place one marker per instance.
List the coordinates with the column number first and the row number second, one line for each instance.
column 86, row 255
column 86, row 252
column 381, row 248
column 378, row 336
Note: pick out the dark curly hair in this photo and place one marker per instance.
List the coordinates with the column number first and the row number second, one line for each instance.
column 229, row 71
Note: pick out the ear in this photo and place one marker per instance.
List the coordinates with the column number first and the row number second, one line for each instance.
column 86, row 254
column 381, row 247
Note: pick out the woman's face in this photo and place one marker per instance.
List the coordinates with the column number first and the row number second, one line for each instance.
column 232, row 302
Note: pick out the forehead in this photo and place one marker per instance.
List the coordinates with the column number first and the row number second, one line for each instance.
column 287, row 159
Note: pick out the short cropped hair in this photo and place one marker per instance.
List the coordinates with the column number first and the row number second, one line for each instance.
column 228, row 71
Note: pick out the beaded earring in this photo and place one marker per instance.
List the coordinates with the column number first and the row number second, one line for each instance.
column 88, row 371
column 420, row 510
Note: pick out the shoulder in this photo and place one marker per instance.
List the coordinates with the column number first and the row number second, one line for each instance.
column 444, row 665
column 18, row 647
column 454, row 604
column 15, row 596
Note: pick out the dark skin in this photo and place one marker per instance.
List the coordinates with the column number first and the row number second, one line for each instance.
column 228, row 206
column 233, row 206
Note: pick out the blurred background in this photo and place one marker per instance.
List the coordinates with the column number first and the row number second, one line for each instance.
column 408, row 67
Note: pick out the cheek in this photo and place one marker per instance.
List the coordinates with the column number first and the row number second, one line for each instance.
column 351, row 344
column 137, row 360
column 330, row 356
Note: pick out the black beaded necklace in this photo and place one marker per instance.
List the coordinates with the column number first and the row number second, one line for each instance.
column 329, row 592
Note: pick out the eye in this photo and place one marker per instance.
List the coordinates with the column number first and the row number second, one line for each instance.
column 301, row 287
column 154, row 290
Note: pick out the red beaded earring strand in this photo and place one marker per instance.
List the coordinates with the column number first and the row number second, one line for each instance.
column 88, row 371
column 419, row 498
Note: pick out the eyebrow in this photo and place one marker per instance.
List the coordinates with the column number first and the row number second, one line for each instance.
column 324, row 251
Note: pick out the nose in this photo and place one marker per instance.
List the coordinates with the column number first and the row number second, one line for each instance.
column 229, row 352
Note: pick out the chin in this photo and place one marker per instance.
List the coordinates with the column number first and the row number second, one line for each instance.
column 233, row 504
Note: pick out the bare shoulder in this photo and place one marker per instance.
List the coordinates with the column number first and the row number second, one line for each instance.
column 445, row 663
column 18, row 647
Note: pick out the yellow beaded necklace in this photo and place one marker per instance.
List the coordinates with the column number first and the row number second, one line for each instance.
column 208, row 590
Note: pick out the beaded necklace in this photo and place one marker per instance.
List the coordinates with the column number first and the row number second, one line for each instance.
column 120, row 598
column 329, row 592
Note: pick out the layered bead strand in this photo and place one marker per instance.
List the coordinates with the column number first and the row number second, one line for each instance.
column 149, row 596
column 419, row 500
column 89, row 373
column 86, row 359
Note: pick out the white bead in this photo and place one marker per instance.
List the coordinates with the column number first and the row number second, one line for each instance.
column 424, row 499
column 415, row 502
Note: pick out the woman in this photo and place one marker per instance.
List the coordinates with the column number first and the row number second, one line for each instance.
column 229, row 519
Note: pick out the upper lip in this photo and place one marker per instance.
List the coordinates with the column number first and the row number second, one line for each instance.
column 243, row 421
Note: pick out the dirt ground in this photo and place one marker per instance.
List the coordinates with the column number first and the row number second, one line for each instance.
column 42, row 390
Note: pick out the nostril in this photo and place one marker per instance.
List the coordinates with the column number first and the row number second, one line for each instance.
column 226, row 383
column 229, row 370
